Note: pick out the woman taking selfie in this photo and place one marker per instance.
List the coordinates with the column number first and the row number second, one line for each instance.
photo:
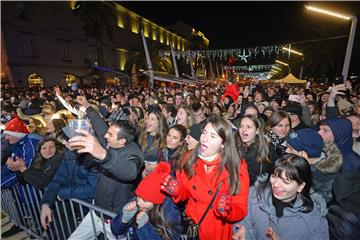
column 213, row 170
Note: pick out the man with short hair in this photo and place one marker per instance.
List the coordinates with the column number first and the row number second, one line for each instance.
column 179, row 99
column 295, row 112
column 121, row 162
column 198, row 112
column 170, row 99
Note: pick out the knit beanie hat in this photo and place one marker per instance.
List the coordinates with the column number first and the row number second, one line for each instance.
column 149, row 188
column 195, row 131
column 16, row 128
column 307, row 140
column 294, row 108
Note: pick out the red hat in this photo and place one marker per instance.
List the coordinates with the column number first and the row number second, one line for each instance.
column 149, row 187
column 16, row 128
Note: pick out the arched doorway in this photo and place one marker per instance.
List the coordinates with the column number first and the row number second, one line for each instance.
column 34, row 80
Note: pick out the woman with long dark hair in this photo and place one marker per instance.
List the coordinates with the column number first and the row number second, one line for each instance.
column 152, row 138
column 152, row 215
column 44, row 166
column 254, row 147
column 213, row 167
column 175, row 148
column 281, row 207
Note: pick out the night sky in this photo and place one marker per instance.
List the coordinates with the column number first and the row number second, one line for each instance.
column 239, row 24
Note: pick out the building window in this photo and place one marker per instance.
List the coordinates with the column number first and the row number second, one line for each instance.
column 115, row 58
column 67, row 56
column 61, row 22
column 121, row 20
column 154, row 33
column 134, row 25
column 161, row 36
column 178, row 43
column 21, row 11
column 93, row 55
column 167, row 39
column 146, row 29
column 28, row 46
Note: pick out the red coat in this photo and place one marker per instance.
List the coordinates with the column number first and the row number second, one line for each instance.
column 231, row 90
column 199, row 191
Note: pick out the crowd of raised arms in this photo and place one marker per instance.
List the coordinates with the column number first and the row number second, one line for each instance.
column 243, row 161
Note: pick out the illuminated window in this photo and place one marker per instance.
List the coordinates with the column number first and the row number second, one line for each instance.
column 146, row 30
column 134, row 25
column 173, row 41
column 183, row 45
column 178, row 43
column 34, row 80
column 122, row 59
column 167, row 39
column 161, row 36
column 121, row 20
column 154, row 33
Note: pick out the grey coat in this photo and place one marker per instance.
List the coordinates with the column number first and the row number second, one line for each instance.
column 293, row 225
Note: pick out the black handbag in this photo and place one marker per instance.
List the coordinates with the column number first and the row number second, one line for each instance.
column 189, row 229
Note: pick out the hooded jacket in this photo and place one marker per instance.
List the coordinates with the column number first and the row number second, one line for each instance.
column 342, row 131
column 294, row 224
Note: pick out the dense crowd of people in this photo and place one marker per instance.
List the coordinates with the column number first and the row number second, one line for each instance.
column 250, row 161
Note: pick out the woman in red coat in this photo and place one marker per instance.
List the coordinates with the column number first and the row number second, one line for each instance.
column 231, row 90
column 214, row 160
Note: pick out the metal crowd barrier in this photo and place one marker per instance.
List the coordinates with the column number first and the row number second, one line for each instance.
column 22, row 206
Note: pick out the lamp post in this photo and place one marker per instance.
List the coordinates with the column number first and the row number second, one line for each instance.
column 302, row 59
column 350, row 43
column 283, row 63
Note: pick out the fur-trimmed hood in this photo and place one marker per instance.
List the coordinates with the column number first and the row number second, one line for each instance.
column 332, row 159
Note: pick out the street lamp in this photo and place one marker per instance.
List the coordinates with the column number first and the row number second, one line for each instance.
column 302, row 59
column 350, row 43
column 282, row 63
column 277, row 68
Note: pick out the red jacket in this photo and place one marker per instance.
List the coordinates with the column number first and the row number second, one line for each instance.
column 231, row 90
column 199, row 191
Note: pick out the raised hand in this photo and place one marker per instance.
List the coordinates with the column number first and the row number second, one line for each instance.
column 170, row 185
column 57, row 90
column 129, row 211
column 223, row 205
column 88, row 144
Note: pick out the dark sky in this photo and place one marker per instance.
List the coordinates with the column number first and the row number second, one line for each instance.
column 237, row 24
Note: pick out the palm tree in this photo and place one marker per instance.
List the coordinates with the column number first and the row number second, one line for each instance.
column 99, row 19
column 138, row 58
